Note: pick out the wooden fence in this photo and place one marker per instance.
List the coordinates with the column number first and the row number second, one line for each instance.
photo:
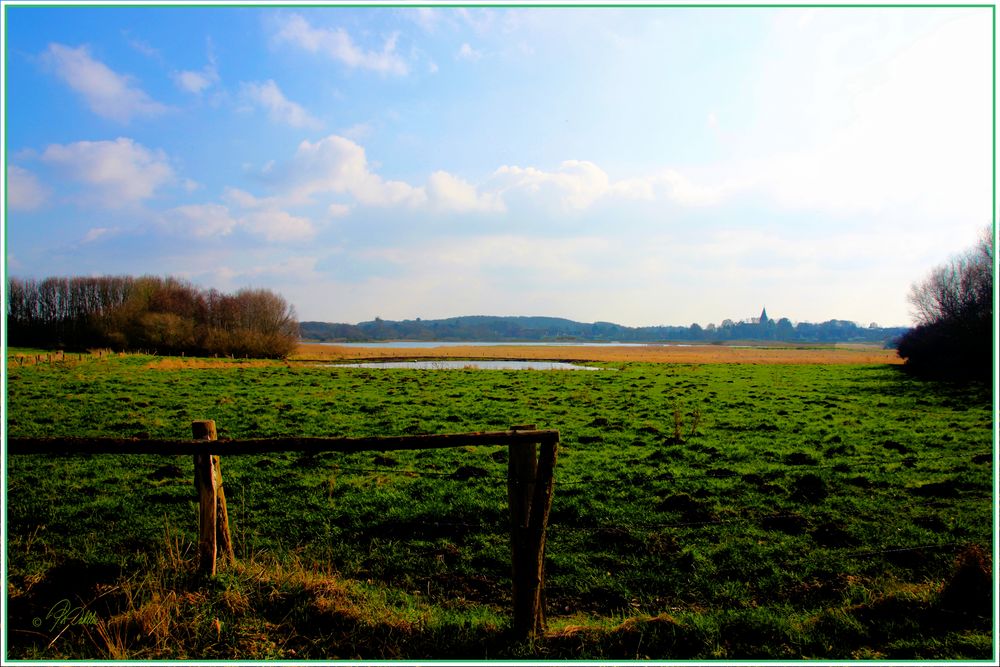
column 529, row 488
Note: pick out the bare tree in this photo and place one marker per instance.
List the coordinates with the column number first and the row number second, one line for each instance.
column 953, row 308
column 959, row 290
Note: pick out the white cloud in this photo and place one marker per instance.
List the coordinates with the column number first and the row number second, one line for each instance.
column 143, row 46
column 97, row 233
column 107, row 93
column 337, row 44
column 579, row 184
column 677, row 187
column 358, row 131
column 276, row 225
column 268, row 96
column 466, row 52
column 426, row 17
column 335, row 164
column 494, row 274
column 338, row 210
column 264, row 217
column 575, row 186
column 120, row 172
column 446, row 192
column 915, row 129
column 241, row 198
column 200, row 220
column 196, row 82
column 24, row 191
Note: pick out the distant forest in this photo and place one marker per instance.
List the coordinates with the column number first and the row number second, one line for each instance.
column 161, row 315
column 485, row 328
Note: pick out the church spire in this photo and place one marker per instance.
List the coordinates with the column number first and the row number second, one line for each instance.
column 763, row 316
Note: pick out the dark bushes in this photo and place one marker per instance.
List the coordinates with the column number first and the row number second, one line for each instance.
column 954, row 307
column 166, row 315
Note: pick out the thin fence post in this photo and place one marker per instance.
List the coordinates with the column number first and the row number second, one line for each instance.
column 538, row 522
column 213, row 523
column 223, row 539
column 529, row 491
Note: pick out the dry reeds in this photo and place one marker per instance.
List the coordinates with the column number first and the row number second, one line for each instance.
column 695, row 354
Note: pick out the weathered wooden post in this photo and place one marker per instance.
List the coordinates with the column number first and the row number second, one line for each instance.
column 529, row 491
column 213, row 522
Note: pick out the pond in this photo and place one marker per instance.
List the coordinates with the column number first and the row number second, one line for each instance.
column 473, row 364
column 421, row 344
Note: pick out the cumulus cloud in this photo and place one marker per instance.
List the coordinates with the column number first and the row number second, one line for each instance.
column 337, row 44
column 338, row 210
column 575, row 185
column 338, row 165
column 280, row 109
column 120, row 172
column 264, row 217
column 24, row 191
column 579, row 184
column 446, row 192
column 107, row 93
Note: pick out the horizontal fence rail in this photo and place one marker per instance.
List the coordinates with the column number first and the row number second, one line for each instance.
column 69, row 446
column 530, row 487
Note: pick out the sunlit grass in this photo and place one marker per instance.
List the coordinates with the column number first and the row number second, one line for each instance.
column 701, row 510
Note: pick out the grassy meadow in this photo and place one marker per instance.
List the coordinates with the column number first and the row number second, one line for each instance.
column 701, row 510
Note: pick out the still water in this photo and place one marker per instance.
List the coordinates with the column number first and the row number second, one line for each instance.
column 477, row 364
column 420, row 344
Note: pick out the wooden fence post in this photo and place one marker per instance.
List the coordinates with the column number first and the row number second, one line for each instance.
column 213, row 523
column 529, row 491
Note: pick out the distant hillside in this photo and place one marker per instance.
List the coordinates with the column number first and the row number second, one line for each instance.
column 549, row 329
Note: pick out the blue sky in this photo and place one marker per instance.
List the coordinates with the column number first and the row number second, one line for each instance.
column 654, row 165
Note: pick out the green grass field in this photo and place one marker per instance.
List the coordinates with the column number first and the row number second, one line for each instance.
column 701, row 511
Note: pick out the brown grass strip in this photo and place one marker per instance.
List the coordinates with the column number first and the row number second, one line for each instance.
column 696, row 354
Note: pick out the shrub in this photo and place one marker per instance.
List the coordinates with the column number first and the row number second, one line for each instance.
column 162, row 314
column 954, row 309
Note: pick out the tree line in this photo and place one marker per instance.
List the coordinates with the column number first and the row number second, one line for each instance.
column 954, row 310
column 558, row 329
column 165, row 315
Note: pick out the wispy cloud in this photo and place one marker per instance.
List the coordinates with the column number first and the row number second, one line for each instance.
column 264, row 217
column 466, row 52
column 107, row 93
column 24, row 191
column 579, row 184
column 337, row 43
column 97, row 233
column 197, row 81
column 142, row 46
column 280, row 109
column 119, row 173
column 199, row 220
